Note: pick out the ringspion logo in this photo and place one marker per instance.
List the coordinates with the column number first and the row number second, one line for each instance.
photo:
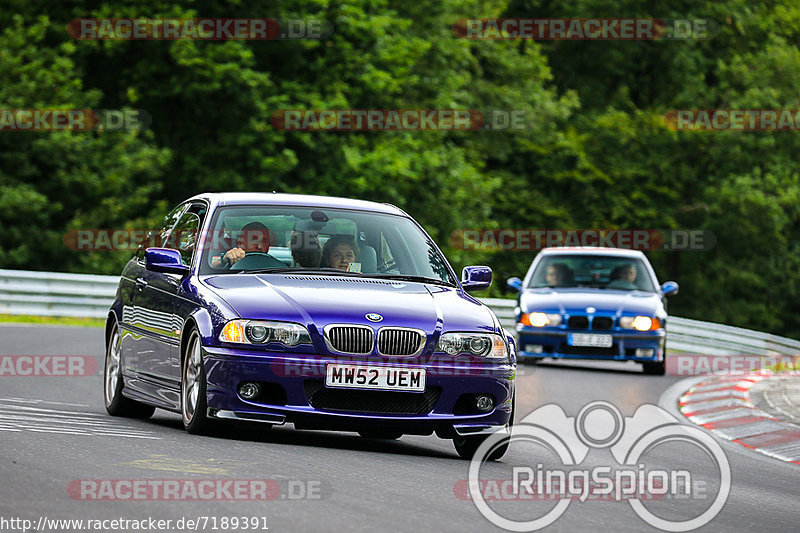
column 669, row 498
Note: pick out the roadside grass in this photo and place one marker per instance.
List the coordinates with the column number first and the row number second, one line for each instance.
column 786, row 366
column 52, row 320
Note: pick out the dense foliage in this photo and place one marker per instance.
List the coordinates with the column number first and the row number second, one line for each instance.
column 596, row 154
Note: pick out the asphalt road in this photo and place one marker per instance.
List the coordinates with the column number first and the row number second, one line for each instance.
column 54, row 431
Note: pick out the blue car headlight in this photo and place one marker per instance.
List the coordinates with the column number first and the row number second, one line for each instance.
column 639, row 323
column 485, row 345
column 243, row 331
column 539, row 320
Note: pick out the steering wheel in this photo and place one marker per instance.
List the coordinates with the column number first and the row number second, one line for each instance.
column 254, row 260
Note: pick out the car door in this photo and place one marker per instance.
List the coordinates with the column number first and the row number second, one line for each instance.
column 158, row 334
column 186, row 237
column 137, row 350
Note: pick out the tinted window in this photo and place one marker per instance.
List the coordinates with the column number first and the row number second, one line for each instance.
column 184, row 236
column 599, row 271
column 158, row 236
column 308, row 238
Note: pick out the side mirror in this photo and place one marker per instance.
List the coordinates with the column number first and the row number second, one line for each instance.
column 164, row 260
column 669, row 288
column 515, row 283
column 476, row 278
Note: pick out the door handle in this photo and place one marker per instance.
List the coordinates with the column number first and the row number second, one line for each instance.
column 141, row 283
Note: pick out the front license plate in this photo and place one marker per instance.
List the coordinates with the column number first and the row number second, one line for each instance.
column 590, row 340
column 375, row 377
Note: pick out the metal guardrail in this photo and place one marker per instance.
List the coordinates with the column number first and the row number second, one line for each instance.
column 24, row 292
column 86, row 295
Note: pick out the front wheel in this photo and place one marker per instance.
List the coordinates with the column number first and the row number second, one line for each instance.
column 655, row 369
column 467, row 446
column 193, row 388
column 116, row 403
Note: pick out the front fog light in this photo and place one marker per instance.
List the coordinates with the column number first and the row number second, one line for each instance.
column 249, row 390
column 644, row 352
column 484, row 403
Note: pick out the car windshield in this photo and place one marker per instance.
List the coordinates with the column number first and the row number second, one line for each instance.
column 599, row 271
column 313, row 240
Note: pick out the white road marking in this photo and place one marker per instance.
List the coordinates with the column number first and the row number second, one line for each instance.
column 18, row 418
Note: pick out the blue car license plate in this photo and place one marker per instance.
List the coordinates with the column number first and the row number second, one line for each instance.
column 591, row 340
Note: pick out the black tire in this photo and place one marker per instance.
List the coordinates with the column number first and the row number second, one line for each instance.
column 467, row 446
column 655, row 369
column 193, row 388
column 117, row 404
column 383, row 434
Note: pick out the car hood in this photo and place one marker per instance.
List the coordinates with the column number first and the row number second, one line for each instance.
column 317, row 301
column 605, row 301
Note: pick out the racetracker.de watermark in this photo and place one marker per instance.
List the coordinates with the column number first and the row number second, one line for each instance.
column 208, row 29
column 527, row 240
column 187, row 490
column 398, row 120
column 48, row 366
column 673, row 498
column 727, row 365
column 585, row 29
column 733, row 119
column 25, row 120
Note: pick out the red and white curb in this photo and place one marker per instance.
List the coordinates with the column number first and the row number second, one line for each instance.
column 722, row 405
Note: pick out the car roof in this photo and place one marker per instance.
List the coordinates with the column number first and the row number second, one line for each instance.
column 591, row 250
column 300, row 200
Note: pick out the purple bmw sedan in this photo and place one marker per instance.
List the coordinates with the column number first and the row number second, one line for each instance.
column 326, row 313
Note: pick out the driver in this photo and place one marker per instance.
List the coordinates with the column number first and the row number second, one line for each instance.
column 623, row 277
column 557, row 275
column 254, row 237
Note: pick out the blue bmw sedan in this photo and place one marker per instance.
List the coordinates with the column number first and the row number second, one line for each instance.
column 593, row 303
column 326, row 313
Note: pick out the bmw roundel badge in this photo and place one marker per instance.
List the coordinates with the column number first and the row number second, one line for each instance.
column 374, row 317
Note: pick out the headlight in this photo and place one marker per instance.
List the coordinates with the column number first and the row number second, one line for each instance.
column 639, row 323
column 539, row 320
column 262, row 332
column 477, row 344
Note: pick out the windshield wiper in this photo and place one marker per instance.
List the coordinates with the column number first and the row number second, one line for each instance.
column 407, row 277
column 298, row 270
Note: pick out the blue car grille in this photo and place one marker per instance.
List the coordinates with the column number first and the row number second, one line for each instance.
column 399, row 342
column 356, row 340
column 584, row 322
column 578, row 322
column 371, row 401
column 602, row 322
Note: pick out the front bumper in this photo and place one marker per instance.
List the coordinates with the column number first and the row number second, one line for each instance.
column 538, row 343
column 295, row 379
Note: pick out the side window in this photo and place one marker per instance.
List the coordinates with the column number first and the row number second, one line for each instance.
column 184, row 236
column 158, row 236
